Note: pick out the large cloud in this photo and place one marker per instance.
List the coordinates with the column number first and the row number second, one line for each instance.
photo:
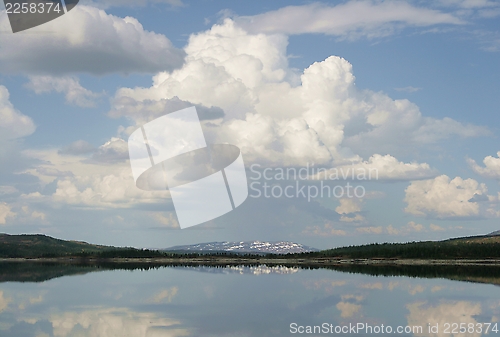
column 352, row 19
column 86, row 40
column 279, row 117
column 443, row 197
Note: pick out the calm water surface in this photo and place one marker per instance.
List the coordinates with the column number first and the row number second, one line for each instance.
column 239, row 301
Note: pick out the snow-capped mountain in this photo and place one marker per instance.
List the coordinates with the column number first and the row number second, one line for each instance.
column 278, row 247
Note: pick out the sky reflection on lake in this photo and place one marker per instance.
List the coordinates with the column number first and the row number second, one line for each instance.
column 236, row 301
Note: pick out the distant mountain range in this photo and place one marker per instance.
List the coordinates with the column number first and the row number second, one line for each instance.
column 38, row 245
column 256, row 247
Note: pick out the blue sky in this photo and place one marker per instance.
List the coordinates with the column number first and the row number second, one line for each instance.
column 409, row 88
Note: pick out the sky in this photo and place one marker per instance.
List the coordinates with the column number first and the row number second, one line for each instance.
column 406, row 90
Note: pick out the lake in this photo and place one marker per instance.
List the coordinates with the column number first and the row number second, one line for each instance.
column 49, row 300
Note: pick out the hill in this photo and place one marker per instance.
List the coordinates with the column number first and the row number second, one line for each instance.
column 473, row 247
column 42, row 246
column 38, row 245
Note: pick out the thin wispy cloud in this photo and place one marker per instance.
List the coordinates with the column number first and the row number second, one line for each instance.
column 409, row 89
column 350, row 20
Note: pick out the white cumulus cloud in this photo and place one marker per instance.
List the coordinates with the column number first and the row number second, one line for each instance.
column 279, row 117
column 443, row 197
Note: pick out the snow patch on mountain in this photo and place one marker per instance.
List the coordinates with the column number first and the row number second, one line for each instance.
column 277, row 247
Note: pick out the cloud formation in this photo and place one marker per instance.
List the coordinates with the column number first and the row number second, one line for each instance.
column 115, row 322
column 165, row 296
column 347, row 309
column 168, row 220
column 279, row 117
column 83, row 181
column 491, row 167
column 353, row 19
column 78, row 147
column 459, row 312
column 326, row 230
column 87, row 40
column 13, row 123
column 410, row 227
column 74, row 93
column 443, row 197
column 147, row 110
column 113, row 151
column 378, row 167
column 5, row 212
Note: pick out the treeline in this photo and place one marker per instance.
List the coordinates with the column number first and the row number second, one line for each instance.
column 113, row 253
column 149, row 253
column 452, row 249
